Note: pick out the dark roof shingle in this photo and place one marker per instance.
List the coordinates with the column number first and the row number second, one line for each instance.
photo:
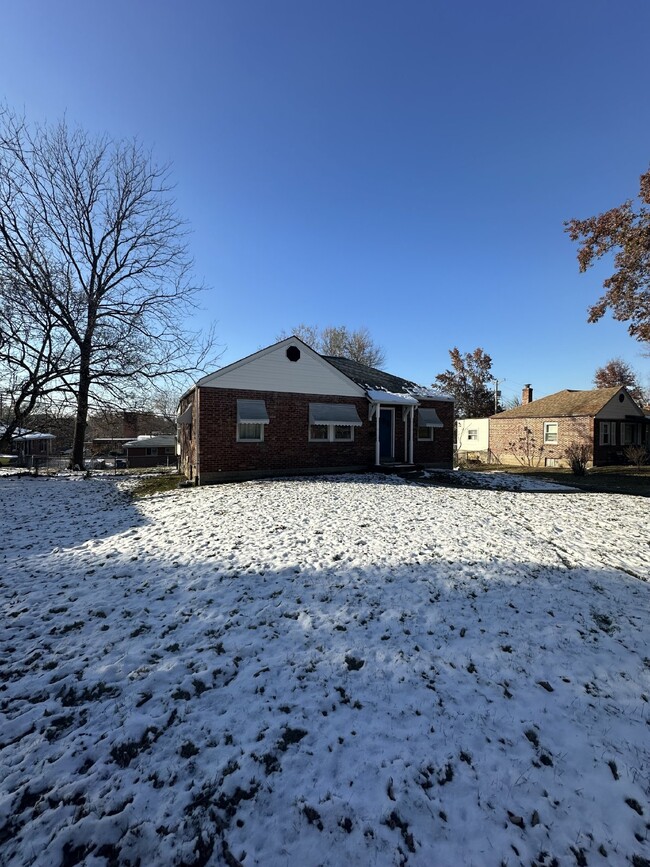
column 370, row 377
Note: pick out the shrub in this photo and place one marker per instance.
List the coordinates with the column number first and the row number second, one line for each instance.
column 526, row 450
column 578, row 456
column 636, row 455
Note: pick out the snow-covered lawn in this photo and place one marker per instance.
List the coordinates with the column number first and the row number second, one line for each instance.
column 342, row 671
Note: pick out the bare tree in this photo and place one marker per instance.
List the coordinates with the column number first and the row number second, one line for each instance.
column 338, row 340
column 36, row 361
column 90, row 238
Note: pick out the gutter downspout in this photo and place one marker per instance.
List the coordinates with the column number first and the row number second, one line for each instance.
column 412, row 419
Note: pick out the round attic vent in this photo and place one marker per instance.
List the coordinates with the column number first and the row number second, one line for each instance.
column 621, row 397
column 293, row 353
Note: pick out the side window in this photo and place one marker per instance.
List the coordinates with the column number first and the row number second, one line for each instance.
column 250, row 432
column 251, row 420
column 550, row 432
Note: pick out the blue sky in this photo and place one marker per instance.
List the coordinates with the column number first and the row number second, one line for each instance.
column 405, row 166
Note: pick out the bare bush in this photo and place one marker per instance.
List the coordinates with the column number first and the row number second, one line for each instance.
column 636, row 455
column 578, row 456
column 526, row 450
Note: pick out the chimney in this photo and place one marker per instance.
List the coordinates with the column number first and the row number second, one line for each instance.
column 526, row 394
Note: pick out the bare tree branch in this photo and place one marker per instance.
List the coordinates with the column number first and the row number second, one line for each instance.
column 90, row 236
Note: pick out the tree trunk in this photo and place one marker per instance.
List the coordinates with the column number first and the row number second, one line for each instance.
column 81, row 419
column 6, row 443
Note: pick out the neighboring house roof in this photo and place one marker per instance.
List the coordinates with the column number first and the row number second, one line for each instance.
column 145, row 442
column 34, row 436
column 21, row 434
column 373, row 380
column 564, row 403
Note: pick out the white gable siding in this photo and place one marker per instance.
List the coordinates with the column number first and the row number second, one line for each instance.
column 271, row 370
column 615, row 408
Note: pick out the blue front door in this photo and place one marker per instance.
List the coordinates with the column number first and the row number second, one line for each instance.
column 386, row 448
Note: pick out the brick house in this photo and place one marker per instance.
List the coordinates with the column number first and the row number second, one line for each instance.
column 606, row 420
column 151, row 451
column 288, row 410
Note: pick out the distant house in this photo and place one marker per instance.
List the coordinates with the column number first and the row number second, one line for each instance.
column 151, row 451
column 288, row 410
column 29, row 444
column 112, row 431
column 473, row 439
column 606, row 420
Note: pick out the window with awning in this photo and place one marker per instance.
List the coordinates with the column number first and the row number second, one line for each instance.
column 251, row 418
column 428, row 420
column 332, row 422
column 185, row 417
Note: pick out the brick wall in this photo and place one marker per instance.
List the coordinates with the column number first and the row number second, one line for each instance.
column 505, row 431
column 440, row 452
column 286, row 445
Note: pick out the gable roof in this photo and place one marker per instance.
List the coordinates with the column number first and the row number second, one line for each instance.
column 372, row 379
column 270, row 369
column 564, row 403
column 266, row 370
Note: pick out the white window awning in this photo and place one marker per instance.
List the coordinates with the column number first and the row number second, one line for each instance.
column 334, row 413
column 428, row 418
column 185, row 417
column 391, row 397
column 251, row 412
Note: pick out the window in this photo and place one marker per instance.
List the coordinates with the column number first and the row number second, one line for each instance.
column 630, row 434
column 152, row 451
column 250, row 432
column 318, row 432
column 550, row 432
column 329, row 433
column 607, row 433
column 251, row 418
column 472, row 434
column 427, row 420
column 332, row 422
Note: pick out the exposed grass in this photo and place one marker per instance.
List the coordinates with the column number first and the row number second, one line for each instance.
column 158, row 484
column 606, row 480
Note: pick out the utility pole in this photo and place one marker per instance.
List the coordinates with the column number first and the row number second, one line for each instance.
column 497, row 393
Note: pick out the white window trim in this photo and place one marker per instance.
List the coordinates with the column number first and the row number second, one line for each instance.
column 610, row 427
column 472, row 434
column 250, row 439
column 426, row 439
column 330, row 434
column 547, row 426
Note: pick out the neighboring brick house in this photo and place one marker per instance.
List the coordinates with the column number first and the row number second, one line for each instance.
column 151, row 451
column 288, row 410
column 538, row 432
